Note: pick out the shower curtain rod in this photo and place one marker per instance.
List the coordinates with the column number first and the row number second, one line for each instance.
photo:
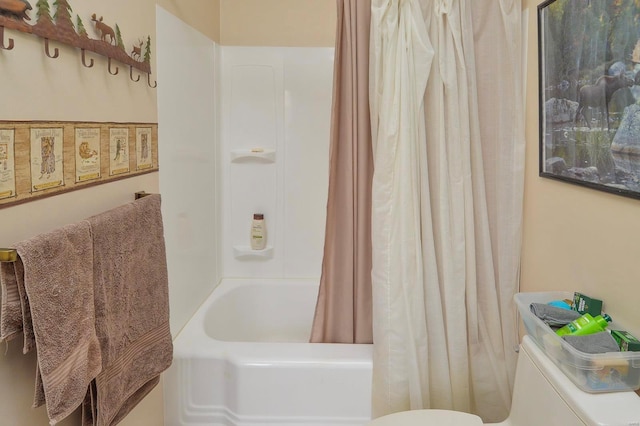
column 11, row 255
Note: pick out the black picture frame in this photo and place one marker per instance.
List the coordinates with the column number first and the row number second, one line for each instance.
column 589, row 93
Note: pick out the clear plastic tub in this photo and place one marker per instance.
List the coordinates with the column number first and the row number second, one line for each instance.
column 606, row 372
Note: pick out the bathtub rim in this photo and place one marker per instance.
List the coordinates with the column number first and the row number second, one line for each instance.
column 193, row 341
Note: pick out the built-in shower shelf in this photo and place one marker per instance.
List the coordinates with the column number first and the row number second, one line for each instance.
column 247, row 253
column 254, row 154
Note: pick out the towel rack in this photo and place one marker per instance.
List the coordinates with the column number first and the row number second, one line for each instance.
column 8, row 255
column 11, row 255
column 140, row 194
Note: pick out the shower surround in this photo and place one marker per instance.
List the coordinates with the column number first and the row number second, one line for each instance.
column 270, row 131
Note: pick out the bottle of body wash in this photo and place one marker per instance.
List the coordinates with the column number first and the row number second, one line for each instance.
column 586, row 324
column 258, row 232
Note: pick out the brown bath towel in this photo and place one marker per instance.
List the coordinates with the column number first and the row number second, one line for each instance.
column 132, row 308
column 15, row 313
column 56, row 271
column 11, row 309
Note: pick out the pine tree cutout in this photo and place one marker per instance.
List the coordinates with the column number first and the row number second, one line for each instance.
column 43, row 12
column 82, row 31
column 119, row 42
column 63, row 12
column 147, row 51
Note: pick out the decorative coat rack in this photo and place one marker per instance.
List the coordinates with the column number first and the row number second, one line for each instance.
column 60, row 28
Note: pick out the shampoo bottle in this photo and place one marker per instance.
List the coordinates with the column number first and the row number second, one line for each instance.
column 586, row 324
column 258, row 232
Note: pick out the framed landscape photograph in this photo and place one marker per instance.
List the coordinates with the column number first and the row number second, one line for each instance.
column 589, row 87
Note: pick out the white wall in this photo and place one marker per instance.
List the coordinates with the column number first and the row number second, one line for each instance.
column 276, row 99
column 187, row 135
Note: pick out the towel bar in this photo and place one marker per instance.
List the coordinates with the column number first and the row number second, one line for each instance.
column 8, row 255
column 11, row 255
column 141, row 194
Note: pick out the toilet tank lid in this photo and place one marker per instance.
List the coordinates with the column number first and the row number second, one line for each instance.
column 428, row 417
column 612, row 408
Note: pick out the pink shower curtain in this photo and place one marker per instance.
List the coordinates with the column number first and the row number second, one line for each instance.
column 343, row 310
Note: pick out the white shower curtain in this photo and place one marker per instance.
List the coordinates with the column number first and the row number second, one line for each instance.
column 446, row 104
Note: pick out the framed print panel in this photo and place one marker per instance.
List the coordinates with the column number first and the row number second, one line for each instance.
column 589, row 58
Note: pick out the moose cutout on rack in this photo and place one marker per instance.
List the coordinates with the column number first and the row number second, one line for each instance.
column 14, row 15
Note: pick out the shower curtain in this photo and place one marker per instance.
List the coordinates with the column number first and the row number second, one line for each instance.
column 343, row 309
column 446, row 101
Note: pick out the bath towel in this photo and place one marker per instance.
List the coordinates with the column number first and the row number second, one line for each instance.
column 596, row 343
column 11, row 308
column 56, row 271
column 15, row 312
column 553, row 316
column 15, row 316
column 132, row 308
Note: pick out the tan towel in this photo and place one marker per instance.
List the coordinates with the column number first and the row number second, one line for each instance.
column 56, row 271
column 11, row 308
column 15, row 314
column 132, row 307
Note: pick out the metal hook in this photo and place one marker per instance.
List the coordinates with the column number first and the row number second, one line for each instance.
column 111, row 72
column 56, row 53
column 131, row 74
column 2, row 46
column 155, row 83
column 84, row 60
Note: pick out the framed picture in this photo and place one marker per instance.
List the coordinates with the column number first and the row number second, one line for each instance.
column 589, row 86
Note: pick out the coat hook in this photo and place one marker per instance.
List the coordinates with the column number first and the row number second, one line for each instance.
column 56, row 53
column 2, row 45
column 155, row 83
column 84, row 60
column 111, row 72
column 131, row 74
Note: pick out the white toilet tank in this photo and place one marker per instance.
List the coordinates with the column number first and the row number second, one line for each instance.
column 543, row 395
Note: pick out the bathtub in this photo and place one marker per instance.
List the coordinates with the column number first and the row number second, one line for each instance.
column 243, row 360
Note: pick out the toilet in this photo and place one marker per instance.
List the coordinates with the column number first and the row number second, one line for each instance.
column 542, row 395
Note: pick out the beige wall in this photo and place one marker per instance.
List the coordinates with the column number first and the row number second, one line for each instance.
column 37, row 88
column 576, row 238
column 277, row 23
column 203, row 15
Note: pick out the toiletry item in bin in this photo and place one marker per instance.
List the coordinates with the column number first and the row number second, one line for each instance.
column 626, row 341
column 563, row 304
column 596, row 343
column 610, row 373
column 584, row 304
column 258, row 232
column 586, row 324
column 553, row 316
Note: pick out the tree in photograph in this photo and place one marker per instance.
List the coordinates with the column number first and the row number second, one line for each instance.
column 622, row 34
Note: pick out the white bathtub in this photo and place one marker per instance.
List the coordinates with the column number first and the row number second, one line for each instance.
column 243, row 359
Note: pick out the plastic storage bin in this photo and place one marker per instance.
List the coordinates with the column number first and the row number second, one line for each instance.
column 606, row 372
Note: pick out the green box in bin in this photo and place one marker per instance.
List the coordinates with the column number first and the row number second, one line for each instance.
column 586, row 305
column 626, row 341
